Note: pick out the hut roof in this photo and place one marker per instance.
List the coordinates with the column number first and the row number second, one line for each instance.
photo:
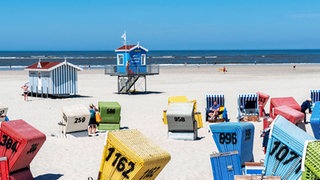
column 130, row 48
column 49, row 66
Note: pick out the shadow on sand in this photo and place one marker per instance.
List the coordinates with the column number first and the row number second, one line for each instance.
column 140, row 93
column 48, row 177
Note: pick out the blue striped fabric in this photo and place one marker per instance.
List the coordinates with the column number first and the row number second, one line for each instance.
column 210, row 98
column 248, row 104
column 315, row 95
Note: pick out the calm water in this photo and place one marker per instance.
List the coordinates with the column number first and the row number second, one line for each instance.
column 97, row 59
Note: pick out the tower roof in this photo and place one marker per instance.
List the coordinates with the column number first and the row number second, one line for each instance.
column 128, row 48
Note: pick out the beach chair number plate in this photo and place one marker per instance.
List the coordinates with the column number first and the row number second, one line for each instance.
column 111, row 111
column 179, row 119
column 33, row 148
column 122, row 165
column 228, row 138
column 248, row 134
column 120, row 162
column 149, row 173
column 281, row 151
column 9, row 143
column 80, row 120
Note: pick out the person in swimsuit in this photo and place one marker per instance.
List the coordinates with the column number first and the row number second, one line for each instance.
column 25, row 91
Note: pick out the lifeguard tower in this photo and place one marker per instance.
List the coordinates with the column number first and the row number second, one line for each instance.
column 131, row 66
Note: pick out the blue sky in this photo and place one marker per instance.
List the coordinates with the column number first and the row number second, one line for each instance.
column 159, row 25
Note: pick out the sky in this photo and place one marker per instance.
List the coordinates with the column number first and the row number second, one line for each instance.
column 159, row 25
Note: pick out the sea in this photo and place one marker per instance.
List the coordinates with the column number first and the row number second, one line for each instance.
column 99, row 59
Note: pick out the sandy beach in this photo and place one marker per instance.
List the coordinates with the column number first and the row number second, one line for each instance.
column 78, row 156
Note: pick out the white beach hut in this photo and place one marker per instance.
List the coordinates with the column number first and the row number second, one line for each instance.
column 53, row 78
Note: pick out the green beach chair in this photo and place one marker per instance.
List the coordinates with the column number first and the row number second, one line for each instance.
column 110, row 115
column 312, row 161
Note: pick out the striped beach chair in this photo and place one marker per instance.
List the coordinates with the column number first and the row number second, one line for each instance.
column 219, row 98
column 315, row 97
column 248, row 108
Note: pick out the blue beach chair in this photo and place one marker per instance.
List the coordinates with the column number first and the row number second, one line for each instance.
column 248, row 107
column 219, row 98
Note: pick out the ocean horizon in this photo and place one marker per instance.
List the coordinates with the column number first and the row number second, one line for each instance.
column 98, row 59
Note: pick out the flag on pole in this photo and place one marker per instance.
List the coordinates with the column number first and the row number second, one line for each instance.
column 39, row 64
column 124, row 36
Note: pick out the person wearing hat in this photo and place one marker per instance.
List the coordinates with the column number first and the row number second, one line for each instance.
column 304, row 106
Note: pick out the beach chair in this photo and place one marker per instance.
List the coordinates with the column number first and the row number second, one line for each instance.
column 219, row 98
column 285, row 149
column 311, row 164
column 181, row 122
column 25, row 142
column 138, row 157
column 110, row 115
column 75, row 119
column 248, row 109
column 183, row 99
column 233, row 136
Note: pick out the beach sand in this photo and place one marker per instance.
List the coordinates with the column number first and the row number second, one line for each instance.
column 78, row 156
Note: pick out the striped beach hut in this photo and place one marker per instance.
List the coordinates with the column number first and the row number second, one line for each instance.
column 58, row 79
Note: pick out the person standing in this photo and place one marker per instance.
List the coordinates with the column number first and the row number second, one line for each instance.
column 25, row 91
column 304, row 106
column 92, row 126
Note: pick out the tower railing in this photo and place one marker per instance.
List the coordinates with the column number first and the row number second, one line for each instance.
column 151, row 69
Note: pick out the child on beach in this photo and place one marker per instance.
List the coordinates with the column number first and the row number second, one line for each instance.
column 92, row 126
column 25, row 91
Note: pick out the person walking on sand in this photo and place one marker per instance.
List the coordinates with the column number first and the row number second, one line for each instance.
column 92, row 126
column 25, row 91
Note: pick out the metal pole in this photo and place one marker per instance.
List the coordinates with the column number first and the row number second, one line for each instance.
column 118, row 86
column 145, row 84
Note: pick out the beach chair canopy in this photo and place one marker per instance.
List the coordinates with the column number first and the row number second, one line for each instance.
column 315, row 95
column 210, row 98
column 248, row 104
column 283, row 101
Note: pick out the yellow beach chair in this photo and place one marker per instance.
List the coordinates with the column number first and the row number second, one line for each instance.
column 182, row 99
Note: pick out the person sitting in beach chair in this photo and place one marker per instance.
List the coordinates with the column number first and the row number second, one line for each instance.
column 213, row 113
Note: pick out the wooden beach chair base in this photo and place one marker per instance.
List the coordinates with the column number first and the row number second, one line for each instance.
column 216, row 120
